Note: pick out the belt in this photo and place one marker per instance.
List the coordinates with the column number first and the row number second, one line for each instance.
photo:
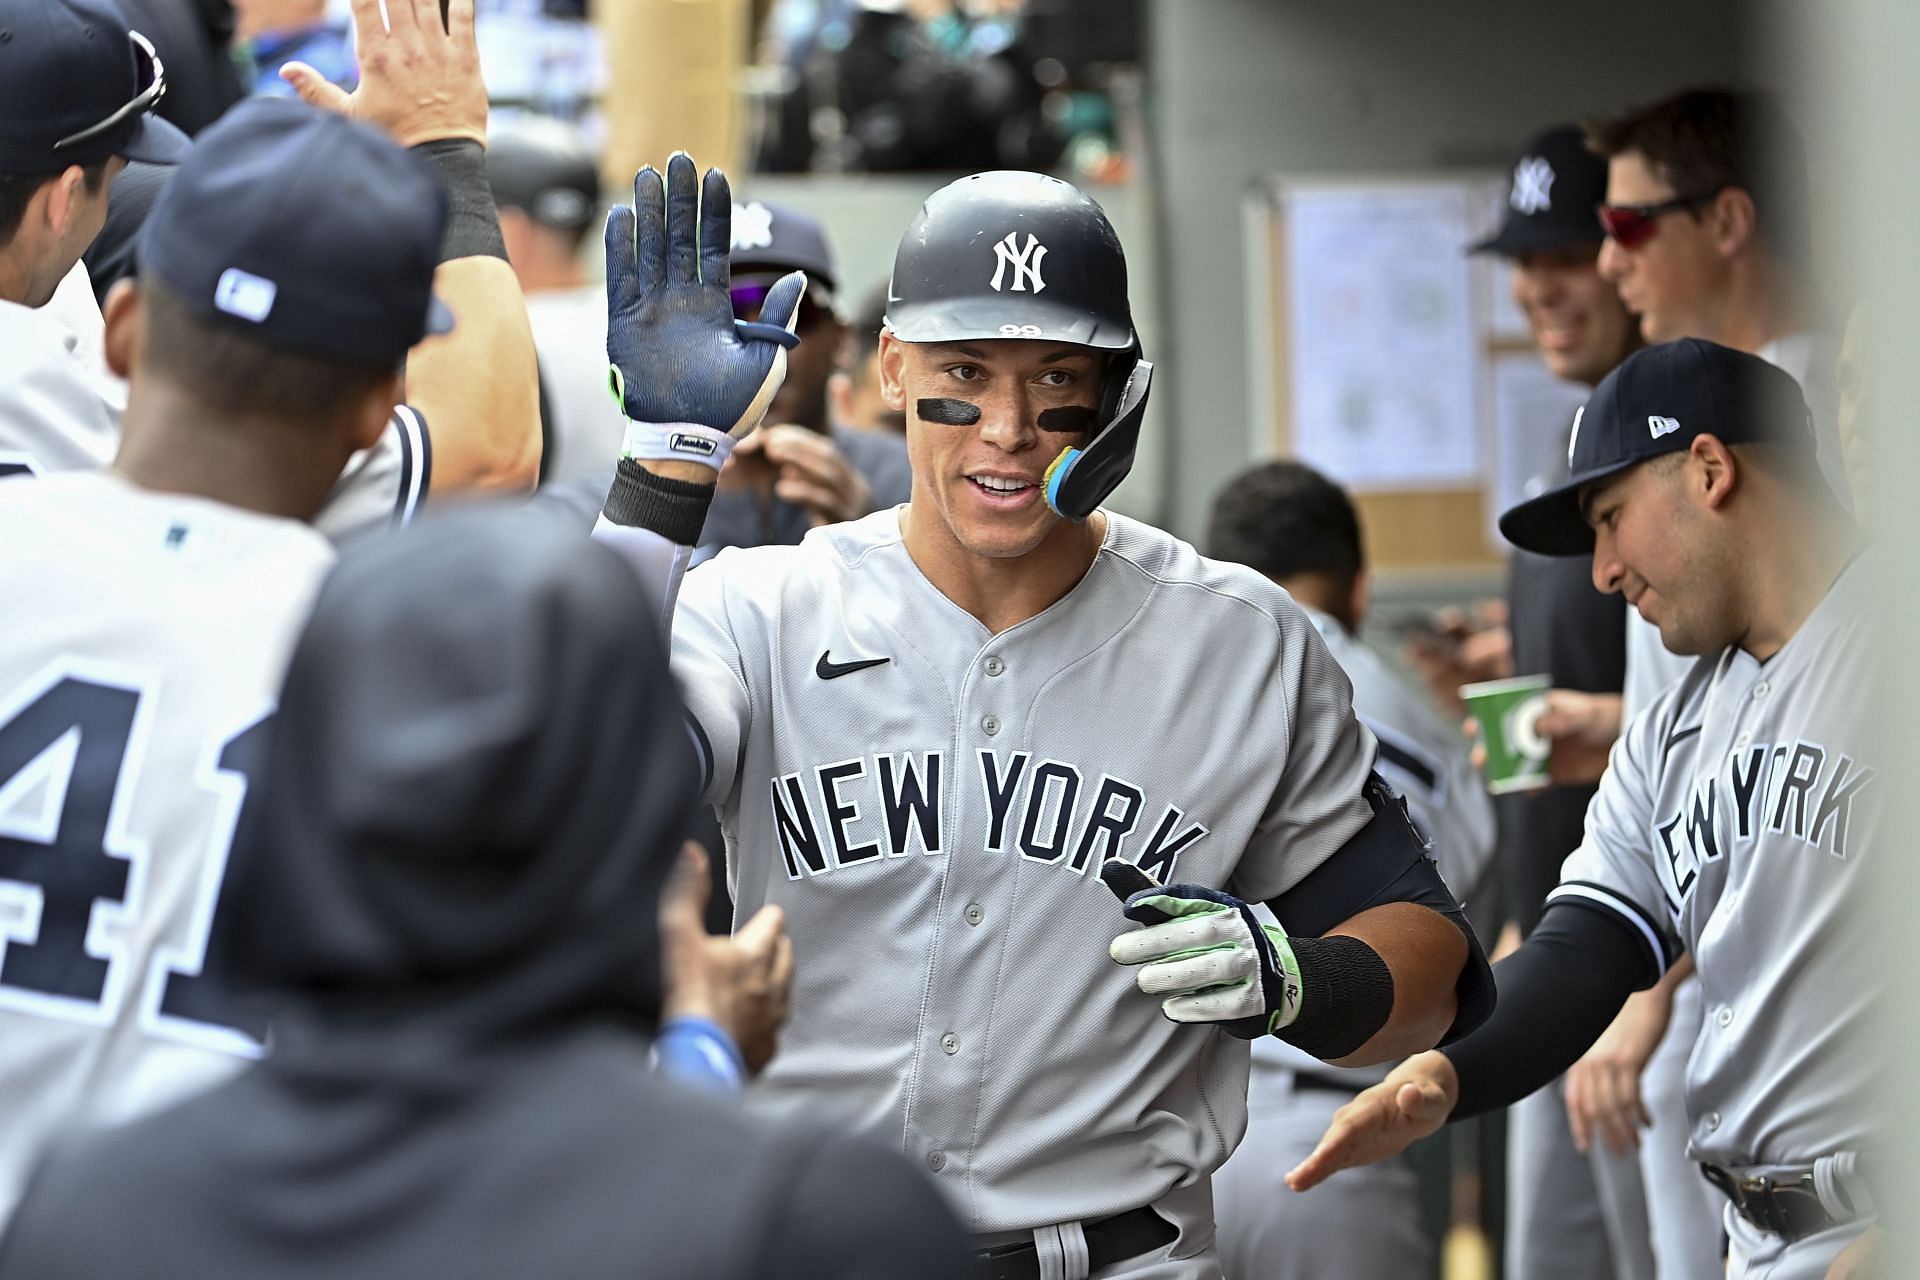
column 1109, row 1240
column 1787, row 1203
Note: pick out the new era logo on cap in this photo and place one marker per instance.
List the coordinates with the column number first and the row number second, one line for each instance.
column 1660, row 426
column 241, row 293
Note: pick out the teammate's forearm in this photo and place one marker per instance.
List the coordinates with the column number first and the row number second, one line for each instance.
column 653, row 519
column 477, row 386
column 1425, row 952
column 1558, row 992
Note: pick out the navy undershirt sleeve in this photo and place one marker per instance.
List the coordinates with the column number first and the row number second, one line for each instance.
column 1558, row 992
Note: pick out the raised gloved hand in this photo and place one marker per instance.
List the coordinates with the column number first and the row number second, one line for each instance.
column 690, row 378
column 1206, row 953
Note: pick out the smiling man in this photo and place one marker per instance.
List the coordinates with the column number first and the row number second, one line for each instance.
column 933, row 732
column 1735, row 823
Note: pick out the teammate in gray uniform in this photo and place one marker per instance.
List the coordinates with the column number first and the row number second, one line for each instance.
column 928, row 731
column 1297, row 527
column 1733, row 822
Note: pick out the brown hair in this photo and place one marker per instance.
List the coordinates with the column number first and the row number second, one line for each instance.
column 1702, row 141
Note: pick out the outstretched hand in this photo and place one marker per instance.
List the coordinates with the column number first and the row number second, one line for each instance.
column 742, row 982
column 419, row 77
column 1410, row 1104
column 679, row 357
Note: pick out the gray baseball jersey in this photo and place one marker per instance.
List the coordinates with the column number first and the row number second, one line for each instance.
column 1733, row 822
column 930, row 803
column 1426, row 761
column 60, row 411
column 147, row 637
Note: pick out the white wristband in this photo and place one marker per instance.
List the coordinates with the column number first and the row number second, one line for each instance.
column 676, row 442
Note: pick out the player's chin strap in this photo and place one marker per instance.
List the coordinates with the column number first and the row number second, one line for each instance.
column 1080, row 479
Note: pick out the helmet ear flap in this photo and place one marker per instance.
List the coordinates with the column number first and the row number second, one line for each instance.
column 1080, row 479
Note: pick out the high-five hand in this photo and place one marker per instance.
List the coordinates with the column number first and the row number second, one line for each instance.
column 419, row 78
column 689, row 377
column 1412, row 1102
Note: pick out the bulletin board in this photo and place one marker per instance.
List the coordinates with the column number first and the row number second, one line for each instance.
column 1386, row 357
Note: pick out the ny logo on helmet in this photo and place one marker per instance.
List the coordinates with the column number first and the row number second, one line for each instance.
column 1025, row 263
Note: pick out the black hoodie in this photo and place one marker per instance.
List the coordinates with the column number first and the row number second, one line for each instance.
column 477, row 777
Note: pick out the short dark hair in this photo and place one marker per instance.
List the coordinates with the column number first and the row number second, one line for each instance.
column 18, row 189
column 866, row 323
column 1285, row 519
column 235, row 373
column 1704, row 140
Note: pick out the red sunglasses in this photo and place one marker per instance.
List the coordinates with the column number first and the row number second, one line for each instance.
column 1628, row 225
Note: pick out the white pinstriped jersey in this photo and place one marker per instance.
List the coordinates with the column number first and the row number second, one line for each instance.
column 1737, row 818
column 60, row 413
column 146, row 636
column 930, row 804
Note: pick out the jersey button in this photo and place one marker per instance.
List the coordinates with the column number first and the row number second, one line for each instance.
column 990, row 726
column 950, row 1043
column 1713, row 1121
column 936, row 1160
column 1724, row 1017
column 1762, row 689
column 1740, row 743
column 993, row 666
column 974, row 914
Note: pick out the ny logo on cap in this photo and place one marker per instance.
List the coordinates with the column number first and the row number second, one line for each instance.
column 1025, row 263
column 752, row 226
column 1662, row 426
column 1573, row 441
column 241, row 293
column 1532, row 183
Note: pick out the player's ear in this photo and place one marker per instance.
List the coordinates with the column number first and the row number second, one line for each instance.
column 376, row 407
column 1713, row 472
column 124, row 318
column 1359, row 597
column 1731, row 218
column 893, row 360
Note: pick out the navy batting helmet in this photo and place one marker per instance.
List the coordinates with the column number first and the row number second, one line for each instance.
column 1021, row 255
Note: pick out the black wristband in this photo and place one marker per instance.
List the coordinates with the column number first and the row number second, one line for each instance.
column 674, row 509
column 1346, row 996
column 473, row 221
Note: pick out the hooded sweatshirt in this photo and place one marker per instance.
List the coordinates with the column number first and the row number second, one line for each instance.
column 449, row 902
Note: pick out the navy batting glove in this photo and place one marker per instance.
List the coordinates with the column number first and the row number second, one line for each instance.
column 1206, row 953
column 689, row 378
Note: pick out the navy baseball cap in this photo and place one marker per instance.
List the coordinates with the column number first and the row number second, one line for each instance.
column 774, row 239
column 1556, row 184
column 310, row 231
column 543, row 167
column 1657, row 401
column 78, row 86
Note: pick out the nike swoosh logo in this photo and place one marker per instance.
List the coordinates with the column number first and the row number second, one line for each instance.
column 828, row 669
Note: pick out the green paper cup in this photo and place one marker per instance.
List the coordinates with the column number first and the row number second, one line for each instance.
column 1507, row 711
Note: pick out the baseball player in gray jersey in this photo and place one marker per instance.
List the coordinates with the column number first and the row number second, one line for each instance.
column 1298, row 528
column 929, row 732
column 1733, row 822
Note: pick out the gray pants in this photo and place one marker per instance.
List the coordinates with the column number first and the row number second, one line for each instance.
column 1570, row 1217
column 1757, row 1255
column 1682, row 1207
column 1360, row 1224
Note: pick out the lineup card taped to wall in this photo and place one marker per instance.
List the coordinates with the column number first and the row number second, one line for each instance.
column 1384, row 346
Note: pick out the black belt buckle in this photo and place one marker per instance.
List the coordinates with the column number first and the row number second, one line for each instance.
column 1789, row 1207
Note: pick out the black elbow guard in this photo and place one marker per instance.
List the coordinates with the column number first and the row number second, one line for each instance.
column 1386, row 861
